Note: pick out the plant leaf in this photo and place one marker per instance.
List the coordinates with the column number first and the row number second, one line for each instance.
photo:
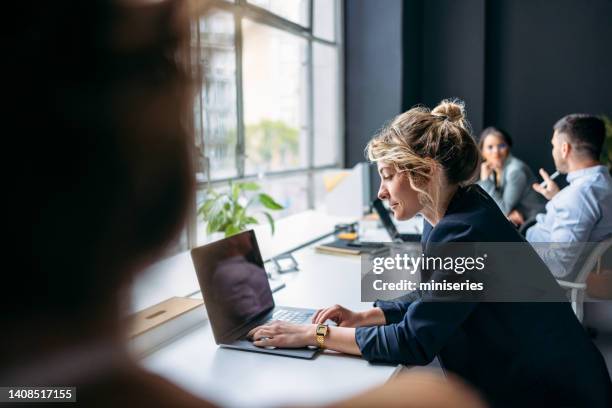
column 250, row 220
column 238, row 211
column 269, row 202
column 270, row 220
column 215, row 223
column 213, row 193
column 205, row 208
column 249, row 186
column 235, row 191
column 231, row 229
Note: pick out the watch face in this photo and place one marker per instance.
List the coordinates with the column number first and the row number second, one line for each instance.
column 321, row 330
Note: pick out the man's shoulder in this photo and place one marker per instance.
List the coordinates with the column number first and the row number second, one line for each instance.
column 575, row 190
column 578, row 198
column 598, row 185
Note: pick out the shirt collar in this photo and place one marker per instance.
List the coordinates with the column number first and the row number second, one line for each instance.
column 574, row 175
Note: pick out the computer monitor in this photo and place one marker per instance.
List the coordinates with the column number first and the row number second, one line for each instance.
column 351, row 191
column 387, row 222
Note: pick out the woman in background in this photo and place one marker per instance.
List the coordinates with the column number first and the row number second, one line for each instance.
column 507, row 179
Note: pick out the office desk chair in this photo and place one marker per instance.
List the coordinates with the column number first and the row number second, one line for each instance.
column 577, row 287
column 526, row 225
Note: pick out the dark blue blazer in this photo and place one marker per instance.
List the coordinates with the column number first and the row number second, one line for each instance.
column 515, row 354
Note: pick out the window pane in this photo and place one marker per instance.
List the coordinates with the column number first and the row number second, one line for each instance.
column 326, row 117
column 323, row 19
column 197, row 107
column 218, row 59
column 291, row 192
column 275, row 99
column 319, row 188
column 294, row 10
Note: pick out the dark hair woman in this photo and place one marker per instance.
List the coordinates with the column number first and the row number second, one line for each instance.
column 506, row 178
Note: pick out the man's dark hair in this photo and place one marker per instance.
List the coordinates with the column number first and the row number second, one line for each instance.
column 586, row 133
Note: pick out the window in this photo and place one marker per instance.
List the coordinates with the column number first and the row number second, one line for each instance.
column 324, row 18
column 326, row 101
column 215, row 116
column 275, row 99
column 270, row 106
column 293, row 10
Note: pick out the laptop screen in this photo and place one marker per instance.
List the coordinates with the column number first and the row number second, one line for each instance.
column 234, row 283
column 383, row 213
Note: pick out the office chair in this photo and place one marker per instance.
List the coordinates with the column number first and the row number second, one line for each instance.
column 526, row 225
column 577, row 288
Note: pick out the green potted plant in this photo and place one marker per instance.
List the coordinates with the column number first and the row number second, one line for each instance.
column 227, row 212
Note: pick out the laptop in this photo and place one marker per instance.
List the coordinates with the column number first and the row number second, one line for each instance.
column 237, row 294
column 394, row 234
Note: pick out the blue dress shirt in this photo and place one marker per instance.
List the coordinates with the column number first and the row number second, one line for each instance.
column 579, row 213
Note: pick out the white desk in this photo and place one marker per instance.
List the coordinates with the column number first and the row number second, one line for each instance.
column 175, row 276
column 240, row 378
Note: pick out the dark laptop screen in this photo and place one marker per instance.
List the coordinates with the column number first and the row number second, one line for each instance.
column 383, row 213
column 233, row 282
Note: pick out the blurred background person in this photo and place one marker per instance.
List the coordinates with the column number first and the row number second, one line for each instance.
column 101, row 93
column 507, row 179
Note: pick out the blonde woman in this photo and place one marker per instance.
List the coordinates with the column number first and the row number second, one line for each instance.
column 516, row 354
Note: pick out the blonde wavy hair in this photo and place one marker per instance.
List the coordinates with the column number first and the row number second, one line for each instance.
column 420, row 141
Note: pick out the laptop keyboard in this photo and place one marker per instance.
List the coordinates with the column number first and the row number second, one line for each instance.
column 292, row 316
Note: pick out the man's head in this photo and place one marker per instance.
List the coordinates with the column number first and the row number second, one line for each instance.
column 577, row 141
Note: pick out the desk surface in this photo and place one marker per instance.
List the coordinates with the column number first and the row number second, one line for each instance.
column 240, row 378
column 175, row 276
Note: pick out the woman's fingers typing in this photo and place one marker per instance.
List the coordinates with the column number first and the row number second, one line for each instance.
column 315, row 316
column 331, row 313
column 276, row 341
column 265, row 330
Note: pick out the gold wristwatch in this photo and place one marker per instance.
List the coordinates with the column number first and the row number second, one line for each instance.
column 321, row 333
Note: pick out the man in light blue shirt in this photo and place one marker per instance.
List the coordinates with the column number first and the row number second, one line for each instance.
column 581, row 213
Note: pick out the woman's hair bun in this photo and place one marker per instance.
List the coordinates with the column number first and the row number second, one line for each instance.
column 451, row 109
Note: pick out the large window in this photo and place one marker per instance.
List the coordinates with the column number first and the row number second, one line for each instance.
column 270, row 106
column 275, row 88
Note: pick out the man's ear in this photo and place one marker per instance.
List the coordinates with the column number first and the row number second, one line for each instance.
column 566, row 149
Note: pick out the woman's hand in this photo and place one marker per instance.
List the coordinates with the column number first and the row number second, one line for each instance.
column 289, row 335
column 284, row 334
column 485, row 170
column 516, row 217
column 344, row 317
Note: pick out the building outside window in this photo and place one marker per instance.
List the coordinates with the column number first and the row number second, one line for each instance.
column 270, row 105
